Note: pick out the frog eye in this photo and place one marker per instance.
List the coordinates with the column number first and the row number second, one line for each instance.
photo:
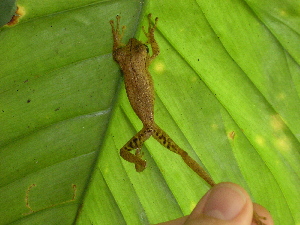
column 147, row 49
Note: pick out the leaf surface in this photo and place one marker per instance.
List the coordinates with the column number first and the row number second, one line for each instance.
column 227, row 91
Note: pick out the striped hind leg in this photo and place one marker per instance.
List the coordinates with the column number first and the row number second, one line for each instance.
column 136, row 143
column 164, row 139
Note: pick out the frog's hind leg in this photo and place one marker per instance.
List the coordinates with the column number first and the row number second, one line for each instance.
column 135, row 143
column 164, row 139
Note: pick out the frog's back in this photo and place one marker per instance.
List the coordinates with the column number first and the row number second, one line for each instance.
column 134, row 61
column 140, row 91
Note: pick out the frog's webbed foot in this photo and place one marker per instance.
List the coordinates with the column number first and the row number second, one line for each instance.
column 135, row 143
column 151, row 28
column 257, row 219
column 150, row 36
column 117, row 33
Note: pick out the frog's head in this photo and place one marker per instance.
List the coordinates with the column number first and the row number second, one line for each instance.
column 138, row 47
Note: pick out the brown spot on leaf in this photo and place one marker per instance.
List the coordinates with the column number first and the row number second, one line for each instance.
column 231, row 135
column 15, row 19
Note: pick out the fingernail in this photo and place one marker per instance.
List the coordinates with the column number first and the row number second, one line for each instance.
column 224, row 202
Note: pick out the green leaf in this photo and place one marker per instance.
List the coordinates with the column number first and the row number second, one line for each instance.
column 227, row 91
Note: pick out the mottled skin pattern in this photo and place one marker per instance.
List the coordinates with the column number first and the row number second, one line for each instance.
column 134, row 61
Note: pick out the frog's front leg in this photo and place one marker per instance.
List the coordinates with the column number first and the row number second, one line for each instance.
column 117, row 34
column 164, row 139
column 136, row 143
column 150, row 36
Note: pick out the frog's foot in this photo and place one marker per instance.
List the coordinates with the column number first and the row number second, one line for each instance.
column 151, row 29
column 117, row 33
column 139, row 167
column 150, row 37
column 136, row 143
column 140, row 164
column 257, row 219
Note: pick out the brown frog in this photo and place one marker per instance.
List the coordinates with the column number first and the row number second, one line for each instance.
column 134, row 60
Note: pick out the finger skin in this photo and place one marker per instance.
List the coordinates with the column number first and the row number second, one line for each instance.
column 244, row 217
